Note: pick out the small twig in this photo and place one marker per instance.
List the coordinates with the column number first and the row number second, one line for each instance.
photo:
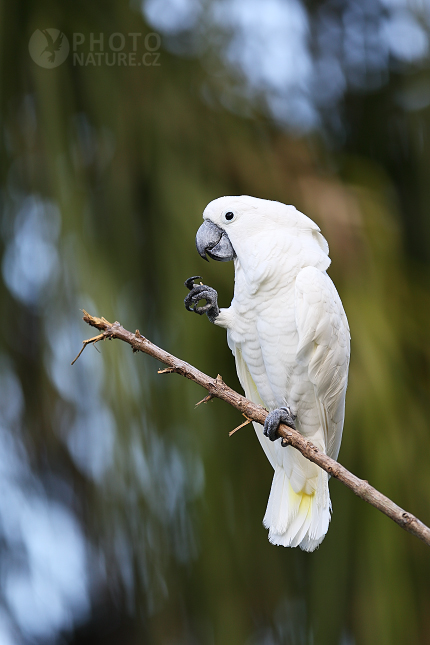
column 205, row 400
column 87, row 342
column 168, row 370
column 245, row 423
column 217, row 388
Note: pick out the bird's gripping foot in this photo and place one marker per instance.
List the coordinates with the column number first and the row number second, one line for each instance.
column 201, row 292
column 275, row 418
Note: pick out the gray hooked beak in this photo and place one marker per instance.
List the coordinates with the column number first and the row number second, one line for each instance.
column 211, row 239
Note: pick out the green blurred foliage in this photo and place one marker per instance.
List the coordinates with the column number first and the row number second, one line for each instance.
column 131, row 157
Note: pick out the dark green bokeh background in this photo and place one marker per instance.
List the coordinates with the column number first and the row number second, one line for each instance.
column 171, row 515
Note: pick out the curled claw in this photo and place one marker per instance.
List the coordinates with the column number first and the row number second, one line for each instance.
column 190, row 282
column 274, row 418
column 201, row 292
column 197, row 293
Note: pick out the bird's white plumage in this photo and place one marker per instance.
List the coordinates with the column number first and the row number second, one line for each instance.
column 289, row 334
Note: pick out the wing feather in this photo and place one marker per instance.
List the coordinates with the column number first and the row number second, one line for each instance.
column 251, row 393
column 324, row 346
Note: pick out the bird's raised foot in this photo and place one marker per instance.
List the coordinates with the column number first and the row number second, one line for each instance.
column 201, row 292
column 275, row 418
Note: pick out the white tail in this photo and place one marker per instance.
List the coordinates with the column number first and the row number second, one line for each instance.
column 297, row 519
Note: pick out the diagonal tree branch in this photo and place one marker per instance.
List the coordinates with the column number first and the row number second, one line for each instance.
column 217, row 388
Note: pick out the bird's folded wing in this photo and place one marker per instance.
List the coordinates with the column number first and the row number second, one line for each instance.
column 251, row 392
column 324, row 346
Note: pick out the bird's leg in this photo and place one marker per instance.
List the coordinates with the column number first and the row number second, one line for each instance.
column 201, row 292
column 276, row 417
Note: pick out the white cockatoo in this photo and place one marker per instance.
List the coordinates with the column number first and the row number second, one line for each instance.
column 288, row 331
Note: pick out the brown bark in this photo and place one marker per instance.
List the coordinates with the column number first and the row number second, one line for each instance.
column 217, row 388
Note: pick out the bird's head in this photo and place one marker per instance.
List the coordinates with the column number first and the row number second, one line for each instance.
column 236, row 225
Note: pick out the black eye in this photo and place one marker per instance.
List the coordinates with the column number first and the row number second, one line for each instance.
column 229, row 216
